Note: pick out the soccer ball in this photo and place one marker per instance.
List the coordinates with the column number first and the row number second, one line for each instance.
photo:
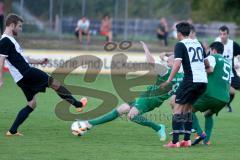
column 78, row 128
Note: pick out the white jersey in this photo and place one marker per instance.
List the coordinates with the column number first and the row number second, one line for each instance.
column 83, row 25
column 228, row 51
column 192, row 55
column 15, row 60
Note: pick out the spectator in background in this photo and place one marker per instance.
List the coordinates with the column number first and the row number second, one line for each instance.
column 1, row 16
column 106, row 28
column 82, row 29
column 162, row 31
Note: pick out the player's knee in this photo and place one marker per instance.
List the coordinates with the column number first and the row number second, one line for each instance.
column 208, row 113
column 178, row 109
column 232, row 91
column 32, row 104
column 172, row 101
column 132, row 113
column 124, row 108
column 54, row 84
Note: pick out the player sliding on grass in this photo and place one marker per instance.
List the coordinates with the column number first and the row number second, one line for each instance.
column 143, row 104
column 217, row 94
column 29, row 79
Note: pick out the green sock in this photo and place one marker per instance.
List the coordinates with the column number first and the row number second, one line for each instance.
column 196, row 124
column 105, row 118
column 139, row 119
column 208, row 128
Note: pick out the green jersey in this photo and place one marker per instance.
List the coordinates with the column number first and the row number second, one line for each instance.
column 219, row 80
column 156, row 91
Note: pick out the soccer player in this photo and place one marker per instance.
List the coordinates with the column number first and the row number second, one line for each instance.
column 217, row 94
column 231, row 50
column 148, row 101
column 31, row 80
column 190, row 54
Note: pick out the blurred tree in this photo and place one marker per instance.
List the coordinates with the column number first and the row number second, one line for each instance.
column 8, row 6
column 212, row 10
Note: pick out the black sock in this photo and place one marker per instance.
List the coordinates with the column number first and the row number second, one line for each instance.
column 231, row 99
column 176, row 126
column 67, row 95
column 187, row 126
column 21, row 117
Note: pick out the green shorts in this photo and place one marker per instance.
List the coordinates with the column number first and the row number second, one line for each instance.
column 205, row 103
column 146, row 104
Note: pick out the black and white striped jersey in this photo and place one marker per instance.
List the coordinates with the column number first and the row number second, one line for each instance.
column 192, row 54
column 16, row 62
column 231, row 49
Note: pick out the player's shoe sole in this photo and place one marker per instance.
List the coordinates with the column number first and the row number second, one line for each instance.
column 15, row 134
column 162, row 133
column 84, row 103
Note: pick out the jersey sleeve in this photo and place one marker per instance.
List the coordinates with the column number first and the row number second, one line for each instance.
column 236, row 49
column 179, row 51
column 212, row 61
column 5, row 45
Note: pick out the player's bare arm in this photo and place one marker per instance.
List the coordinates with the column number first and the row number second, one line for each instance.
column 150, row 58
column 2, row 59
column 37, row 61
column 175, row 69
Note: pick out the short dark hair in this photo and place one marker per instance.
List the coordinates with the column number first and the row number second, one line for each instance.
column 13, row 18
column 224, row 28
column 218, row 46
column 184, row 28
column 192, row 28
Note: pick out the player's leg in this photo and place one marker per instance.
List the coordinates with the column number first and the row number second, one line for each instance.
column 186, row 95
column 232, row 95
column 196, row 94
column 80, row 34
column 214, row 108
column 88, row 37
column 110, row 36
column 208, row 129
column 22, row 116
column 143, row 105
column 196, row 124
column 200, row 134
column 203, row 104
column 65, row 94
column 115, row 113
column 135, row 116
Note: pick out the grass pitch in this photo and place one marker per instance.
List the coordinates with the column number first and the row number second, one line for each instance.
column 48, row 138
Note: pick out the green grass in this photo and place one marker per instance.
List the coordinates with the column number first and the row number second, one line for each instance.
column 48, row 138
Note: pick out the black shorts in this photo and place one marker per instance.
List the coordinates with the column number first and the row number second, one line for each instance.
column 33, row 82
column 188, row 92
column 235, row 82
column 77, row 33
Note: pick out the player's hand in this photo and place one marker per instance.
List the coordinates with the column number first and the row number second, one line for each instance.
column 45, row 61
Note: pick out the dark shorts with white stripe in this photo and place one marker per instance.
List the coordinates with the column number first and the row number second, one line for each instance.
column 188, row 92
column 33, row 82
